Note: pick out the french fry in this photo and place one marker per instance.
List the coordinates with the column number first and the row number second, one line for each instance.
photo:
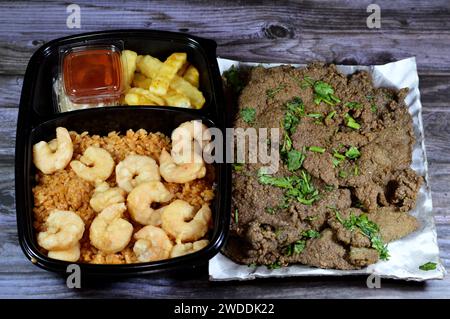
column 192, row 76
column 175, row 99
column 187, row 89
column 141, row 81
column 183, row 69
column 160, row 83
column 128, row 59
column 149, row 66
column 145, row 97
column 138, row 59
column 136, row 99
column 132, row 99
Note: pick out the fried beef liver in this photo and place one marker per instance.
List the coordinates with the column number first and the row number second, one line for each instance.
column 266, row 229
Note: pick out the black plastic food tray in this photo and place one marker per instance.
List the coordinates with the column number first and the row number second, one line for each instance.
column 38, row 120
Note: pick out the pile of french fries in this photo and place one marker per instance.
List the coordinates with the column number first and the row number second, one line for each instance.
column 149, row 81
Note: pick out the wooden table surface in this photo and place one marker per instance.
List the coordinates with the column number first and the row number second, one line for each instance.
column 300, row 32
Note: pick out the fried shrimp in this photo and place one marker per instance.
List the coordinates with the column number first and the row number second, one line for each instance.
column 188, row 141
column 181, row 222
column 71, row 254
column 96, row 164
column 182, row 173
column 109, row 232
column 188, row 248
column 140, row 199
column 135, row 170
column 64, row 230
column 152, row 244
column 105, row 196
column 55, row 155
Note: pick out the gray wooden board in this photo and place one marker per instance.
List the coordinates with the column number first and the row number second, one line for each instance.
column 295, row 32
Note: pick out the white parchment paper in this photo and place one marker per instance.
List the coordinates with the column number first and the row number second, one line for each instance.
column 408, row 253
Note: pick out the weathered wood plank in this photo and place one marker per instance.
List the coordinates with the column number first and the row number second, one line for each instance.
column 10, row 90
column 39, row 284
column 199, row 16
column 435, row 92
column 8, row 122
column 437, row 136
column 291, row 32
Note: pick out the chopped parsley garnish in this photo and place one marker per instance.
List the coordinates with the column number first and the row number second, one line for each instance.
column 310, row 233
column 303, row 190
column 238, row 167
column 295, row 109
column 278, row 233
column 297, row 188
column 351, row 122
column 373, row 108
column 248, row 115
column 274, row 265
column 335, row 162
column 272, row 92
column 330, row 115
column 329, row 188
column 389, row 95
column 428, row 266
column 298, row 246
column 233, row 79
column 358, row 204
column 307, row 82
column 295, row 160
column 315, row 115
column 324, row 92
column 342, row 174
column 295, row 248
column 356, row 170
column 287, row 144
column 282, row 182
column 368, row 228
column 316, row 149
column 236, row 215
column 369, row 97
column 290, row 122
column 292, row 158
column 337, row 158
column 352, row 153
column 338, row 155
column 353, row 105
column 283, row 205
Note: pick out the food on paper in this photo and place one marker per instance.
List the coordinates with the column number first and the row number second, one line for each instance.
column 345, row 186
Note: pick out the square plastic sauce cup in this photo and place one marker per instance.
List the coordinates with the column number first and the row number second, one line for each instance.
column 92, row 74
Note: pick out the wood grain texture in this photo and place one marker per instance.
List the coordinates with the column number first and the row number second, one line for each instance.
column 300, row 31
